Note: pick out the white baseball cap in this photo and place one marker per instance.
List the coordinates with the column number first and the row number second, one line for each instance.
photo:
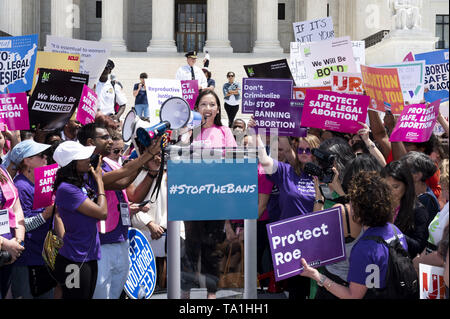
column 69, row 151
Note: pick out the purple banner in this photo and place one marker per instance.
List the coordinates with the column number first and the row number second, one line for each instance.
column 264, row 89
column 318, row 237
column 284, row 115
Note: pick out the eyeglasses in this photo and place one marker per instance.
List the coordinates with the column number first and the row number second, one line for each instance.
column 116, row 150
column 302, row 150
column 230, row 76
column 104, row 137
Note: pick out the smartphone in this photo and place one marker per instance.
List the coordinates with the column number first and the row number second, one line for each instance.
column 94, row 160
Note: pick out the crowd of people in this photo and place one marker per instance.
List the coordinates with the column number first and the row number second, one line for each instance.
column 382, row 188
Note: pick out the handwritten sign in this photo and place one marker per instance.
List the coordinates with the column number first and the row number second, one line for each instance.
column 314, row 30
column 44, row 177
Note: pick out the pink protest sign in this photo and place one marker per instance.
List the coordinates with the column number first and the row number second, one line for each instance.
column 14, row 111
column 87, row 106
column 43, row 185
column 189, row 90
column 334, row 111
column 416, row 123
column 409, row 57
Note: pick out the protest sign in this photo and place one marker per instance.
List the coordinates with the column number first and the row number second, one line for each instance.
column 56, row 61
column 44, row 177
column 55, row 98
column 411, row 76
column 87, row 108
column 17, row 60
column 278, row 69
column 190, row 92
column 318, row 237
column 158, row 91
column 93, row 54
column 14, row 111
column 409, row 57
column 383, row 85
column 416, row 123
column 141, row 281
column 321, row 58
column 359, row 54
column 343, row 82
column 281, row 114
column 431, row 281
column 297, row 65
column 197, row 189
column 438, row 129
column 436, row 75
column 334, row 111
column 263, row 89
column 299, row 93
column 314, row 30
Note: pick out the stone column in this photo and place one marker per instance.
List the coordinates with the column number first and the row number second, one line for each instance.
column 112, row 24
column 163, row 22
column 310, row 9
column 62, row 18
column 267, row 27
column 217, row 27
column 11, row 17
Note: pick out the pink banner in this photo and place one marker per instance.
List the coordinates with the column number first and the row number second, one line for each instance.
column 14, row 111
column 43, row 185
column 189, row 90
column 87, row 106
column 334, row 111
column 416, row 123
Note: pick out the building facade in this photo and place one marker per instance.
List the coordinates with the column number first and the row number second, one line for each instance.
column 239, row 26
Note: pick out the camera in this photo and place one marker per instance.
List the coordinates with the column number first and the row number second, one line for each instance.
column 5, row 257
column 95, row 158
column 324, row 171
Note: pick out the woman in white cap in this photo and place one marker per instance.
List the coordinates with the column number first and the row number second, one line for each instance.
column 80, row 208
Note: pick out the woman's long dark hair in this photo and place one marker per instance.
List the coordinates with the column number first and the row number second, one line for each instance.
column 217, row 119
column 400, row 172
column 68, row 174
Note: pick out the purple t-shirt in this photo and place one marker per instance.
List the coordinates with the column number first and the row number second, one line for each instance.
column 297, row 193
column 81, row 241
column 369, row 252
column 34, row 240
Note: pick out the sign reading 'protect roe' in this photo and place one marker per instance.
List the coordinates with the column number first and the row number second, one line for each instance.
column 318, row 237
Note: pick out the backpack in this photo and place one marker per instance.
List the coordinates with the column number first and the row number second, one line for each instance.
column 402, row 281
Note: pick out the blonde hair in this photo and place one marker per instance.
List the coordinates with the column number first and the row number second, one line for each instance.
column 443, row 180
column 313, row 142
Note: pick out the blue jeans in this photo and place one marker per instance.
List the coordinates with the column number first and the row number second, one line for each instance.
column 142, row 110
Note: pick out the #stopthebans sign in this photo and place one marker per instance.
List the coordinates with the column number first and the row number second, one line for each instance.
column 318, row 237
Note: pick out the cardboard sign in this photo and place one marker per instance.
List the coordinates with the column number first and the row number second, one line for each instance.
column 141, row 281
column 283, row 115
column 318, row 237
column 343, row 82
column 416, row 123
column 87, row 108
column 44, row 177
column 299, row 93
column 334, row 111
column 278, row 69
column 190, row 91
column 436, row 75
column 314, row 30
column 431, row 279
column 17, row 60
column 195, row 190
column 14, row 111
column 383, row 86
column 263, row 89
column 158, row 91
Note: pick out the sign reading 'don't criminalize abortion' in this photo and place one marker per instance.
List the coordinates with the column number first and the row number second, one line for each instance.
column 318, row 237
column 416, row 123
column 14, row 111
column 44, row 178
column 284, row 115
column 264, row 89
column 334, row 111
column 212, row 190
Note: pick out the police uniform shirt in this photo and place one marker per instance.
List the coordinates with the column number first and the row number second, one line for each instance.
column 184, row 73
column 106, row 94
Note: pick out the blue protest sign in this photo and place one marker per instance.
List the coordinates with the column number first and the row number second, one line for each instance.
column 17, row 60
column 141, row 279
column 212, row 191
column 436, row 75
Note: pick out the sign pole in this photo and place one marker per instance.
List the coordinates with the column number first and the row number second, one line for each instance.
column 250, row 249
column 173, row 260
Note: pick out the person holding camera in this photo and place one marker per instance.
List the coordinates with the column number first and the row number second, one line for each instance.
column 140, row 94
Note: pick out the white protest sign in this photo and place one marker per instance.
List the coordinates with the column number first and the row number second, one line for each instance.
column 431, row 279
column 314, row 30
column 94, row 54
column 359, row 53
column 297, row 65
column 158, row 91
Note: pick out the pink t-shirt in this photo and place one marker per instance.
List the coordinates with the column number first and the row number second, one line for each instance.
column 215, row 137
column 264, row 187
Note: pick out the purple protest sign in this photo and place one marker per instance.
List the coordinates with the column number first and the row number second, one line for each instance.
column 43, row 185
column 281, row 114
column 87, row 108
column 416, row 123
column 256, row 88
column 318, row 237
column 334, row 111
column 14, row 111
column 189, row 89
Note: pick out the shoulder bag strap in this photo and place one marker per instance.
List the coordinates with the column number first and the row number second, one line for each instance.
column 347, row 218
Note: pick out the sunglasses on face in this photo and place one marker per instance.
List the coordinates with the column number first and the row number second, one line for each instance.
column 230, row 76
column 116, row 150
column 302, row 150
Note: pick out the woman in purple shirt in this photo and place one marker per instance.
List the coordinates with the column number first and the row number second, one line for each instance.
column 80, row 209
